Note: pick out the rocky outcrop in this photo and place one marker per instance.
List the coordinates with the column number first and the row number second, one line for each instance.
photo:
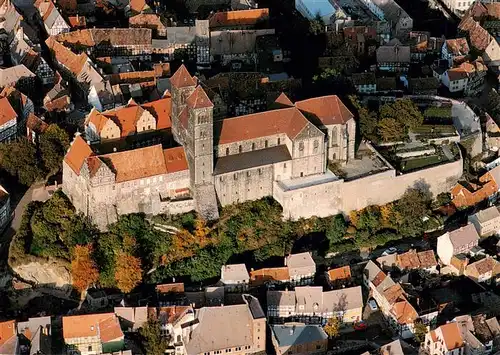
column 49, row 273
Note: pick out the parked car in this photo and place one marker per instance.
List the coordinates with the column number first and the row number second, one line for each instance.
column 360, row 326
column 372, row 304
column 389, row 251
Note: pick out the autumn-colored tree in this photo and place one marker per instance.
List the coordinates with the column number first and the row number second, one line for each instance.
column 390, row 130
column 83, row 269
column 128, row 272
column 332, row 327
column 354, row 217
column 386, row 212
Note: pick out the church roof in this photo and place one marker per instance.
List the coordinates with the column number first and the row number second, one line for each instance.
column 182, row 78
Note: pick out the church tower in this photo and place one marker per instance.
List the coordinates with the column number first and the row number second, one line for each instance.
column 183, row 85
column 201, row 138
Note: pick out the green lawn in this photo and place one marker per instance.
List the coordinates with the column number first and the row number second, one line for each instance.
column 418, row 163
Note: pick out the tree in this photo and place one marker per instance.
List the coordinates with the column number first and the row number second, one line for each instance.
column 368, row 123
column 336, row 229
column 317, row 25
column 19, row 160
column 54, row 143
column 332, row 327
column 420, row 331
column 390, row 130
column 152, row 340
column 128, row 272
column 404, row 111
column 83, row 269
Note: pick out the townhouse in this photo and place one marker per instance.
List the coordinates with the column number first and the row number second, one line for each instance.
column 486, row 270
column 486, row 222
column 299, row 339
column 92, row 334
column 8, row 121
column 391, row 299
column 454, row 49
column 299, row 269
column 458, row 241
column 235, row 277
column 445, row 340
column 53, row 22
column 312, row 305
column 393, row 57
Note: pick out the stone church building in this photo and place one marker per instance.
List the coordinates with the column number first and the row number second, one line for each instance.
column 282, row 153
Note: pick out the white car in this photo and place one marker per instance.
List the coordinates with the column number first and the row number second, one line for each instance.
column 389, row 251
column 373, row 305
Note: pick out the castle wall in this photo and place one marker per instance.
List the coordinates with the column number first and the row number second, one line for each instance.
column 344, row 196
column 385, row 187
column 245, row 185
column 318, row 200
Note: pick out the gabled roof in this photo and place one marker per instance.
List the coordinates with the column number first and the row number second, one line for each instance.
column 452, row 336
column 328, row 109
column 199, row 99
column 457, row 46
column 7, row 331
column 283, row 100
column 238, row 18
column 105, row 326
column 36, row 124
column 290, row 335
column 7, row 113
column 289, row 121
column 340, row 273
column 182, row 78
column 78, row 151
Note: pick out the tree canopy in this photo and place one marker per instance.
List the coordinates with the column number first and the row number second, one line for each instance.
column 83, row 268
column 152, row 340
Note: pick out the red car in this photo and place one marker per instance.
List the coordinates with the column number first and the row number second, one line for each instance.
column 360, row 326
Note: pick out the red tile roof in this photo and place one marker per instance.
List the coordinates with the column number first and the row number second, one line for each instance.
column 7, row 331
column 340, row 273
column 404, row 312
column 161, row 110
column 7, row 113
column 261, row 276
column 78, row 152
column 170, row 288
column 452, row 336
column 287, row 120
column 238, row 18
column 283, row 100
column 36, row 124
column 328, row 109
column 199, row 99
column 105, row 326
column 182, row 78
column 175, row 159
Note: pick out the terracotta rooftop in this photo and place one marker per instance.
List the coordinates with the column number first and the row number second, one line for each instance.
column 105, row 326
column 7, row 113
column 137, row 5
column 238, row 18
column 108, row 36
column 457, row 46
column 77, row 21
column 452, row 336
column 7, row 331
column 340, row 273
column 59, row 104
column 145, row 20
column 36, row 124
column 404, row 312
column 377, row 280
column 145, row 162
column 199, row 99
column 328, row 109
column 408, row 260
column 73, row 62
column 77, row 153
column 427, row 259
column 483, row 266
column 283, row 100
column 289, row 121
column 182, row 78
column 161, row 110
column 260, row 276
column 170, row 288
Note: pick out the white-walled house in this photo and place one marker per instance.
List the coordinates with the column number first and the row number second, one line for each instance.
column 459, row 241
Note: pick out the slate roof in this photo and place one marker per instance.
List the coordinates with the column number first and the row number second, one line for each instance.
column 288, row 335
column 253, row 159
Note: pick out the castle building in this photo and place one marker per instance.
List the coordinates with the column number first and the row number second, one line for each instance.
column 281, row 153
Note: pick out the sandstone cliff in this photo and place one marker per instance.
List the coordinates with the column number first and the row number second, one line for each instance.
column 51, row 273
